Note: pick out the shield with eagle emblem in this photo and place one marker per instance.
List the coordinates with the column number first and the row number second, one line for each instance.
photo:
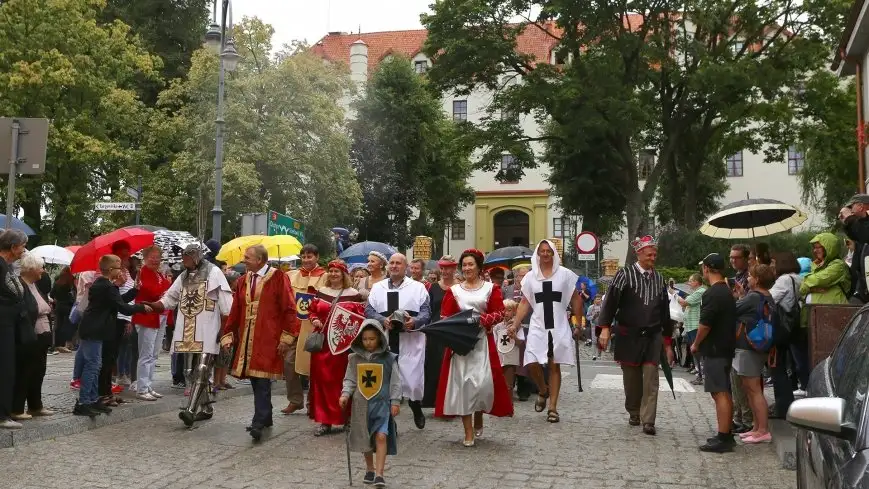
column 342, row 329
column 303, row 303
column 369, row 378
column 503, row 341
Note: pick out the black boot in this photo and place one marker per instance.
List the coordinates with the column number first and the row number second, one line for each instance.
column 523, row 388
column 418, row 417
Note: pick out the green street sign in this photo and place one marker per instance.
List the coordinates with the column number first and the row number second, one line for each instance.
column 280, row 224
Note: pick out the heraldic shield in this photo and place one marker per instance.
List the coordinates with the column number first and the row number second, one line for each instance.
column 342, row 329
column 369, row 378
column 503, row 341
column 303, row 303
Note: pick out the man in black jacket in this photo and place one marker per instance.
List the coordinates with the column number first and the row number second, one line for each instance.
column 12, row 247
column 97, row 324
column 855, row 219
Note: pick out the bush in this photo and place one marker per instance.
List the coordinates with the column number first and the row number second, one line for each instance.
column 680, row 248
column 680, row 275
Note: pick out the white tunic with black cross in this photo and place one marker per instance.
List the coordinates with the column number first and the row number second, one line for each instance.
column 549, row 299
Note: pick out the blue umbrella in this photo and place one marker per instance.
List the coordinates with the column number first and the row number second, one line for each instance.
column 358, row 253
column 17, row 224
column 342, row 231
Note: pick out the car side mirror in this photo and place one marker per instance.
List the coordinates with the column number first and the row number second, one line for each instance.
column 824, row 415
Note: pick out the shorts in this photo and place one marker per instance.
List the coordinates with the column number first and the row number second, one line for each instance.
column 749, row 363
column 716, row 374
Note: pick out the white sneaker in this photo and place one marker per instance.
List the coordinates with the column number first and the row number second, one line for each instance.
column 146, row 396
column 155, row 393
column 11, row 425
column 133, row 387
column 799, row 393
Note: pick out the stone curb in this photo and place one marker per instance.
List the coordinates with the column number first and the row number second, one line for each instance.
column 69, row 425
column 784, row 438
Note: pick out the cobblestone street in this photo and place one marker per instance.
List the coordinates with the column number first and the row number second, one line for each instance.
column 593, row 447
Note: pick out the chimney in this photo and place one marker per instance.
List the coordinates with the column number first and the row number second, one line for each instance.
column 359, row 61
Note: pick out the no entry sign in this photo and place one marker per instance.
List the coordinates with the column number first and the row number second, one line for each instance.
column 586, row 242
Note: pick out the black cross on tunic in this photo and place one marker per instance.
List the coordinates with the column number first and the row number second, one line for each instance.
column 369, row 378
column 547, row 298
column 505, row 340
column 391, row 302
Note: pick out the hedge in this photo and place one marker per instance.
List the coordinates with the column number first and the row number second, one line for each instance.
column 679, row 250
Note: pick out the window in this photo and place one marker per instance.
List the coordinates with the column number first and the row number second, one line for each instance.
column 460, row 110
column 734, row 165
column 736, row 47
column 420, row 66
column 564, row 228
column 849, row 367
column 457, row 229
column 645, row 164
column 796, row 160
column 510, row 168
column 558, row 227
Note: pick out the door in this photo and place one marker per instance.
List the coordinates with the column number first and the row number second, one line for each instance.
column 511, row 229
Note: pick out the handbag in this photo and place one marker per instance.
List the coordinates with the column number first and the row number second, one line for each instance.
column 315, row 340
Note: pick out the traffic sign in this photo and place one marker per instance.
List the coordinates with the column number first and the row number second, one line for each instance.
column 115, row 206
column 280, row 224
column 586, row 257
column 586, row 243
column 133, row 193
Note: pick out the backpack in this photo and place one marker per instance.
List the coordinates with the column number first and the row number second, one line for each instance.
column 789, row 321
column 762, row 336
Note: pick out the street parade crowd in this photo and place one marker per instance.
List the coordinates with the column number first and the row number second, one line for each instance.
column 457, row 339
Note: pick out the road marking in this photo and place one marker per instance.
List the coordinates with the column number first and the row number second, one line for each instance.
column 614, row 382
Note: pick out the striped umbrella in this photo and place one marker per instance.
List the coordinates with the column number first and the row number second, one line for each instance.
column 753, row 218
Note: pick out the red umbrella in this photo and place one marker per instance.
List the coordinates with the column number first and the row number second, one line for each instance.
column 87, row 257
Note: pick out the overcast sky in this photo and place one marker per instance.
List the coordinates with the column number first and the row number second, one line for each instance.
column 310, row 20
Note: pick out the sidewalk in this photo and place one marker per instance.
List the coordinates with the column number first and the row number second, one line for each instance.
column 57, row 396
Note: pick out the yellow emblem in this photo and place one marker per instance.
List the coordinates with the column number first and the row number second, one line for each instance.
column 369, row 379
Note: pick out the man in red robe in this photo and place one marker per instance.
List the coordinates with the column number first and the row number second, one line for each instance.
column 262, row 326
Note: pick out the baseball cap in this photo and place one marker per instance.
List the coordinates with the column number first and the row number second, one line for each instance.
column 858, row 199
column 713, row 261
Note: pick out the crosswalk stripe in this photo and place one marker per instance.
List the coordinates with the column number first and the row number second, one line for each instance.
column 615, row 382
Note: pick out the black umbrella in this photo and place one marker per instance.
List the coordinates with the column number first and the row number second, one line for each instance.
column 668, row 371
column 508, row 255
column 459, row 332
column 753, row 218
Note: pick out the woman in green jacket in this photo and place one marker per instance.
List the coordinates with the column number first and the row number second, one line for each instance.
column 830, row 280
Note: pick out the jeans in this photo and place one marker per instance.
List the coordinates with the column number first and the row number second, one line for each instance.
column 125, row 354
column 78, row 366
column 92, row 359
column 150, row 344
column 800, row 352
column 110, row 358
column 262, row 402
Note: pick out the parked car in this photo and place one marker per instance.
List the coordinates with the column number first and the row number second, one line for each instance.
column 833, row 420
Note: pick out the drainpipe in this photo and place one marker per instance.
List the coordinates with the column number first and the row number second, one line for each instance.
column 861, row 126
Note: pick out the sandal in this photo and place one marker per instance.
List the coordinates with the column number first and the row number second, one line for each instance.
column 552, row 416
column 540, row 403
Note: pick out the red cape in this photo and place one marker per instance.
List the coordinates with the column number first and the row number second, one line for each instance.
column 503, row 405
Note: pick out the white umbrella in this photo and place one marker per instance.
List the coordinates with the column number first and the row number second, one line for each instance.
column 54, row 255
column 289, row 258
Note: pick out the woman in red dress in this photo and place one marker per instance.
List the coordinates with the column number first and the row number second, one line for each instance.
column 474, row 383
column 327, row 368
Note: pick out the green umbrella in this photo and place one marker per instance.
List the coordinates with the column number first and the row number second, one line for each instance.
column 668, row 371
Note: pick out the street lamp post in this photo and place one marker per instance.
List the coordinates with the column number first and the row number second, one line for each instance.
column 216, row 40
column 391, row 216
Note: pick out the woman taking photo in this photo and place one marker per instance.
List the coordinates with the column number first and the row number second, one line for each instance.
column 748, row 363
column 467, row 387
column 31, row 352
column 328, row 368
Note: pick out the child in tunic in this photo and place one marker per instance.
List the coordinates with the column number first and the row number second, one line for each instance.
column 508, row 352
column 372, row 379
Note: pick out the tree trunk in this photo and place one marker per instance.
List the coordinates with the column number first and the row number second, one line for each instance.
column 690, row 201
column 634, row 218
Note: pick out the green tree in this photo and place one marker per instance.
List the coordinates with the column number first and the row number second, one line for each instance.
column 407, row 155
column 826, row 138
column 285, row 147
column 58, row 60
column 627, row 76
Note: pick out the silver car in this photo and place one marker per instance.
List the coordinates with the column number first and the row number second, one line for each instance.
column 833, row 421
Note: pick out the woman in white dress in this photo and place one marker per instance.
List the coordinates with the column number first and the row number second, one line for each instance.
column 474, row 383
